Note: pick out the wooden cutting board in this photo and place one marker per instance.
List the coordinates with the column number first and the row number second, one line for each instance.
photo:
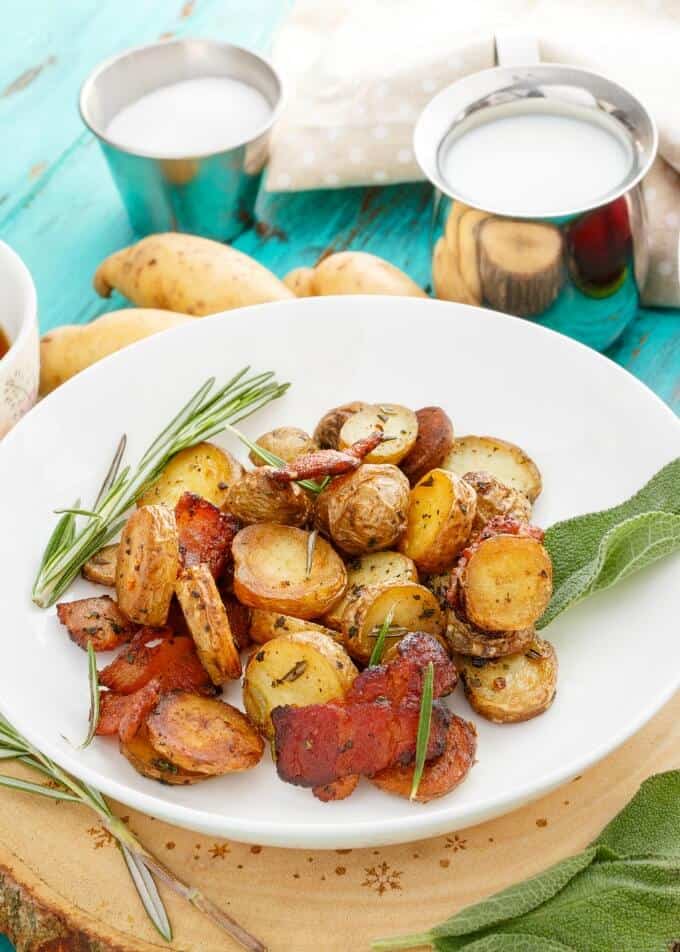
column 63, row 884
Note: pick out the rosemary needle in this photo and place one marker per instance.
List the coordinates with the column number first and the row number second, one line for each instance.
column 424, row 723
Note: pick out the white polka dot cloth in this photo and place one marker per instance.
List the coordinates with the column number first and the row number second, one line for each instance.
column 358, row 73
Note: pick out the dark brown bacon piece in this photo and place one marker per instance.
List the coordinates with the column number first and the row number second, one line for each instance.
column 157, row 653
column 326, row 462
column 205, row 533
column 402, row 678
column 97, row 620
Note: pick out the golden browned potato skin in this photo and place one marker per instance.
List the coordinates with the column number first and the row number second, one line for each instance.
column 149, row 763
column 101, row 567
column 434, row 441
column 364, row 511
column 203, row 735
column 440, row 516
column 506, row 461
column 286, row 442
column 270, row 571
column 257, row 498
column 495, row 499
column 464, row 638
column 327, row 430
column 208, row 623
column 398, row 425
column 266, row 625
column 203, row 469
column 147, row 565
column 513, row 688
column 373, row 568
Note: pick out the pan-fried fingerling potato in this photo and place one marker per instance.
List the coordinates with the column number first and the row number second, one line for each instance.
column 399, row 427
column 514, row 688
column 149, row 763
column 507, row 462
column 414, row 609
column 506, row 584
column 286, row 442
column 266, row 625
column 440, row 516
column 464, row 638
column 203, row 469
column 203, row 735
column 376, row 568
column 439, row 585
column 147, row 565
column 101, row 567
column 302, row 668
column 433, row 443
column 208, row 623
column 270, row 571
column 357, row 272
column 496, row 499
column 301, row 282
column 255, row 497
column 327, row 430
column 364, row 511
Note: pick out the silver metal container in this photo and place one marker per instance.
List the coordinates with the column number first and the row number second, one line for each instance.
column 583, row 267
column 206, row 194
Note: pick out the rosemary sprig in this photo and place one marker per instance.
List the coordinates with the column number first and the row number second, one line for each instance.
column 206, row 414
column 93, row 681
column 142, row 865
column 424, row 724
column 379, row 646
column 273, row 460
column 311, row 546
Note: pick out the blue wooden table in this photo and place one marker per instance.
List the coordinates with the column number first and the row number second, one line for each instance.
column 59, row 208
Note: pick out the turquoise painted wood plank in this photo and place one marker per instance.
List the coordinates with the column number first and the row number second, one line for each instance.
column 650, row 349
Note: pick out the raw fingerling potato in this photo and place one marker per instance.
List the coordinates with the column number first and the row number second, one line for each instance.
column 149, row 763
column 414, row 608
column 265, row 625
column 376, row 568
column 464, row 638
column 101, row 567
column 495, row 499
column 507, row 462
column 357, row 272
column 398, row 424
column 208, row 623
column 67, row 350
column 440, row 516
column 513, row 688
column 147, row 565
column 270, row 571
column 327, row 430
column 185, row 273
column 433, row 442
column 302, row 668
column 506, row 583
column 257, row 498
column 203, row 469
column 301, row 282
column 203, row 735
column 286, row 442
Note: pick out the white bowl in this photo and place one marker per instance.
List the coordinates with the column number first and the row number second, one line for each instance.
column 20, row 367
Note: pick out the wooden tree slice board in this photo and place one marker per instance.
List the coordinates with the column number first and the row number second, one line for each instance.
column 64, row 886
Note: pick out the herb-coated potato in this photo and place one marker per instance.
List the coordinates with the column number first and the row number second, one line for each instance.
column 255, row 497
column 414, row 609
column 327, row 430
column 357, row 272
column 147, row 565
column 375, row 568
column 364, row 511
column 265, row 625
column 270, row 571
column 149, row 763
column 208, row 623
column 440, row 515
column 464, row 638
column 101, row 567
column 496, row 499
column 399, row 427
column 203, row 469
column 301, row 282
column 506, row 583
column 203, row 735
column 507, row 462
column 302, row 668
column 514, row 688
column 433, row 443
column 286, row 442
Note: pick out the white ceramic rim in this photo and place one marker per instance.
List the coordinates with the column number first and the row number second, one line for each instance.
column 30, row 317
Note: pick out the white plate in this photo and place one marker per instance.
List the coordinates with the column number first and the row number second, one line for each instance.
column 596, row 433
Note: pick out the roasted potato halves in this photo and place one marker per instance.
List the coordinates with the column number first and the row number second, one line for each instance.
column 286, row 442
column 376, row 568
column 434, row 441
column 149, row 763
column 465, row 638
column 515, row 688
column 327, row 430
column 441, row 512
column 207, row 620
column 101, row 567
column 398, row 425
column 265, row 625
column 495, row 499
column 271, row 571
column 303, row 668
column 507, row 462
column 147, row 565
column 257, row 498
column 203, row 469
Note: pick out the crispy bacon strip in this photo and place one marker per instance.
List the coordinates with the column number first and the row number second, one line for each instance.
column 124, row 714
column 112, row 707
column 322, row 743
column 401, row 680
column 205, row 533
column 157, row 653
column 326, row 462
column 97, row 620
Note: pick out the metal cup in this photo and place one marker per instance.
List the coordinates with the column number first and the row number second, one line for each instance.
column 206, row 194
column 593, row 260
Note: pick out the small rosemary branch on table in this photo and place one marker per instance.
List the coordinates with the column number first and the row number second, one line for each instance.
column 206, row 414
column 142, row 865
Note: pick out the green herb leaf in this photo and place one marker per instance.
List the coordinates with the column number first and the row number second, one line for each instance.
column 93, row 683
column 27, row 786
column 273, row 460
column 148, row 893
column 424, row 724
column 379, row 646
